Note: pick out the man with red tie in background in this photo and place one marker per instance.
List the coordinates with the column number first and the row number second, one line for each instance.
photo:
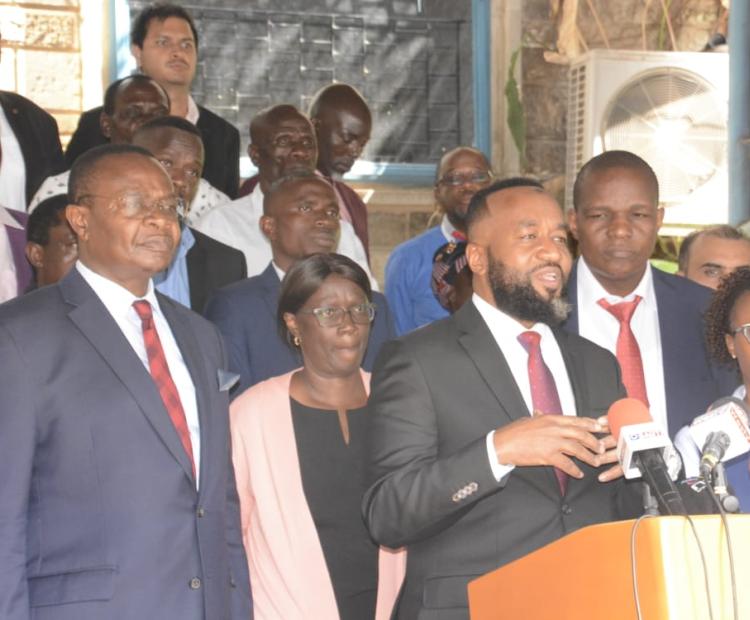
column 486, row 429
column 118, row 494
column 652, row 320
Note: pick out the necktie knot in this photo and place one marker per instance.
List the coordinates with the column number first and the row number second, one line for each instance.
column 529, row 340
column 622, row 311
column 144, row 311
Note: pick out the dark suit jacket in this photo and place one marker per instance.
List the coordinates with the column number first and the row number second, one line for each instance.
column 221, row 142
column 691, row 381
column 17, row 240
column 245, row 313
column 436, row 393
column 210, row 266
column 36, row 132
column 101, row 517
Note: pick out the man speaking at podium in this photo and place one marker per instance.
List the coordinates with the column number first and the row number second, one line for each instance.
column 469, row 465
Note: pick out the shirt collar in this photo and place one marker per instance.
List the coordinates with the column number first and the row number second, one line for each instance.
column 187, row 241
column 447, row 228
column 117, row 299
column 6, row 219
column 193, row 113
column 278, row 270
column 501, row 323
column 590, row 290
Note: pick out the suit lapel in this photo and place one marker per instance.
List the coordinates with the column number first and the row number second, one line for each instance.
column 96, row 324
column 272, row 284
column 190, row 350
column 196, row 268
column 479, row 344
column 571, row 323
column 17, row 241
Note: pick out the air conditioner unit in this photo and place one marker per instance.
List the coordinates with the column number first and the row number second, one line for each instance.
column 668, row 107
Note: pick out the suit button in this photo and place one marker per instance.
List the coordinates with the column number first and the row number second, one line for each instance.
column 201, row 513
column 195, row 583
column 566, row 509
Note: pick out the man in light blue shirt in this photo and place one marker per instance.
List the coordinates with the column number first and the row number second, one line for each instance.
column 461, row 173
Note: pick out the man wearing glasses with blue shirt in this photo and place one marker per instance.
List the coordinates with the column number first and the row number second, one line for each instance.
column 461, row 173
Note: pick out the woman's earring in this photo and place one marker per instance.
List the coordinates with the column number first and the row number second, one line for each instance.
column 297, row 341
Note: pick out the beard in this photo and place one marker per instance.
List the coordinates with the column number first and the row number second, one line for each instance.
column 517, row 297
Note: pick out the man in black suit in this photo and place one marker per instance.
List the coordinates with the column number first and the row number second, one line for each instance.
column 31, row 150
column 300, row 218
column 461, row 473
column 164, row 42
column 201, row 264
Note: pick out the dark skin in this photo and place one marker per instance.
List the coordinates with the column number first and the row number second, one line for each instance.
column 127, row 249
column 737, row 344
column 332, row 356
column 302, row 218
column 282, row 143
column 54, row 260
column 525, row 230
column 342, row 126
column 616, row 225
column 454, row 201
column 136, row 103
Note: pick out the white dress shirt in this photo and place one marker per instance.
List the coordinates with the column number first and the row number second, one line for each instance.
column 8, row 278
column 206, row 198
column 601, row 327
column 119, row 303
column 12, row 168
column 237, row 223
column 505, row 331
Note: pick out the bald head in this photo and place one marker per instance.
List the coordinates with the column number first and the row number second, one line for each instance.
column 282, row 143
column 460, row 174
column 343, row 124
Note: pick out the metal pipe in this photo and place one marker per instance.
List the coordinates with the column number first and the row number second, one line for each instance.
column 739, row 112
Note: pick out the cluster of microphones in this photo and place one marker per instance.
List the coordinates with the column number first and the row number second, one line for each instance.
column 645, row 451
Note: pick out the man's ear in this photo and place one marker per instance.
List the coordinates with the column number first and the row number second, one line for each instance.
column 105, row 124
column 136, row 52
column 268, row 227
column 476, row 257
column 573, row 223
column 34, row 254
column 252, row 151
column 659, row 217
column 78, row 218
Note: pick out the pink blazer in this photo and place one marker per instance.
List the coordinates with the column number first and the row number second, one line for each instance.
column 288, row 570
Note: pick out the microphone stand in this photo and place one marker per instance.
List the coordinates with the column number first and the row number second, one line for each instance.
column 650, row 505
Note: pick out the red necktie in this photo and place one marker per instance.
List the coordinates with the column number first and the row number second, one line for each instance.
column 544, row 396
column 458, row 235
column 628, row 351
column 157, row 363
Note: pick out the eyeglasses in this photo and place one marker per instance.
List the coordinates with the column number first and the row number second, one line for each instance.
column 333, row 316
column 745, row 329
column 132, row 206
column 475, row 178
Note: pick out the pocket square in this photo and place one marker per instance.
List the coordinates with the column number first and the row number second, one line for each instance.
column 226, row 379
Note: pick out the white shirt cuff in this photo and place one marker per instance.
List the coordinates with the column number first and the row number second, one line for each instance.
column 499, row 471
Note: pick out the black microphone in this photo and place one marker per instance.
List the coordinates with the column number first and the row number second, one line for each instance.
column 713, row 451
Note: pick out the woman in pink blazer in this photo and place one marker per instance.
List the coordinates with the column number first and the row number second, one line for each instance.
column 298, row 451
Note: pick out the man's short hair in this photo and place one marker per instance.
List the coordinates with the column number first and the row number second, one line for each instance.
column 47, row 215
column 292, row 177
column 609, row 160
column 447, row 154
column 160, row 11
column 85, row 164
column 267, row 115
column 477, row 209
column 173, row 122
column 327, row 96
column 721, row 231
column 110, row 95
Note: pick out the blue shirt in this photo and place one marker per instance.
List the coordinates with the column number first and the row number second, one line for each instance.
column 407, row 281
column 174, row 281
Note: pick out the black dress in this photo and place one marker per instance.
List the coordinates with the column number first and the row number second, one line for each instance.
column 333, row 482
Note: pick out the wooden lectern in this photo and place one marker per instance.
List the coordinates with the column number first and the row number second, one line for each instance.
column 587, row 574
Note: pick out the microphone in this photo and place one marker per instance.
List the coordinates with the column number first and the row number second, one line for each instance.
column 641, row 445
column 722, row 432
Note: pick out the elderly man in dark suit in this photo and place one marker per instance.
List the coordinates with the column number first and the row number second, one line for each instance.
column 164, row 42
column 201, row 264
column 471, row 463
column 118, row 493
column 652, row 320
column 301, row 217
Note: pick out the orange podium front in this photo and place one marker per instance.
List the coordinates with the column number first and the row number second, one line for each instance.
column 589, row 574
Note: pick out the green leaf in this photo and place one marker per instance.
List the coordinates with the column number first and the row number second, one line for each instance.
column 516, row 118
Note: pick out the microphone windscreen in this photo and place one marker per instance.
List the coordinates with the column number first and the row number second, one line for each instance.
column 625, row 412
